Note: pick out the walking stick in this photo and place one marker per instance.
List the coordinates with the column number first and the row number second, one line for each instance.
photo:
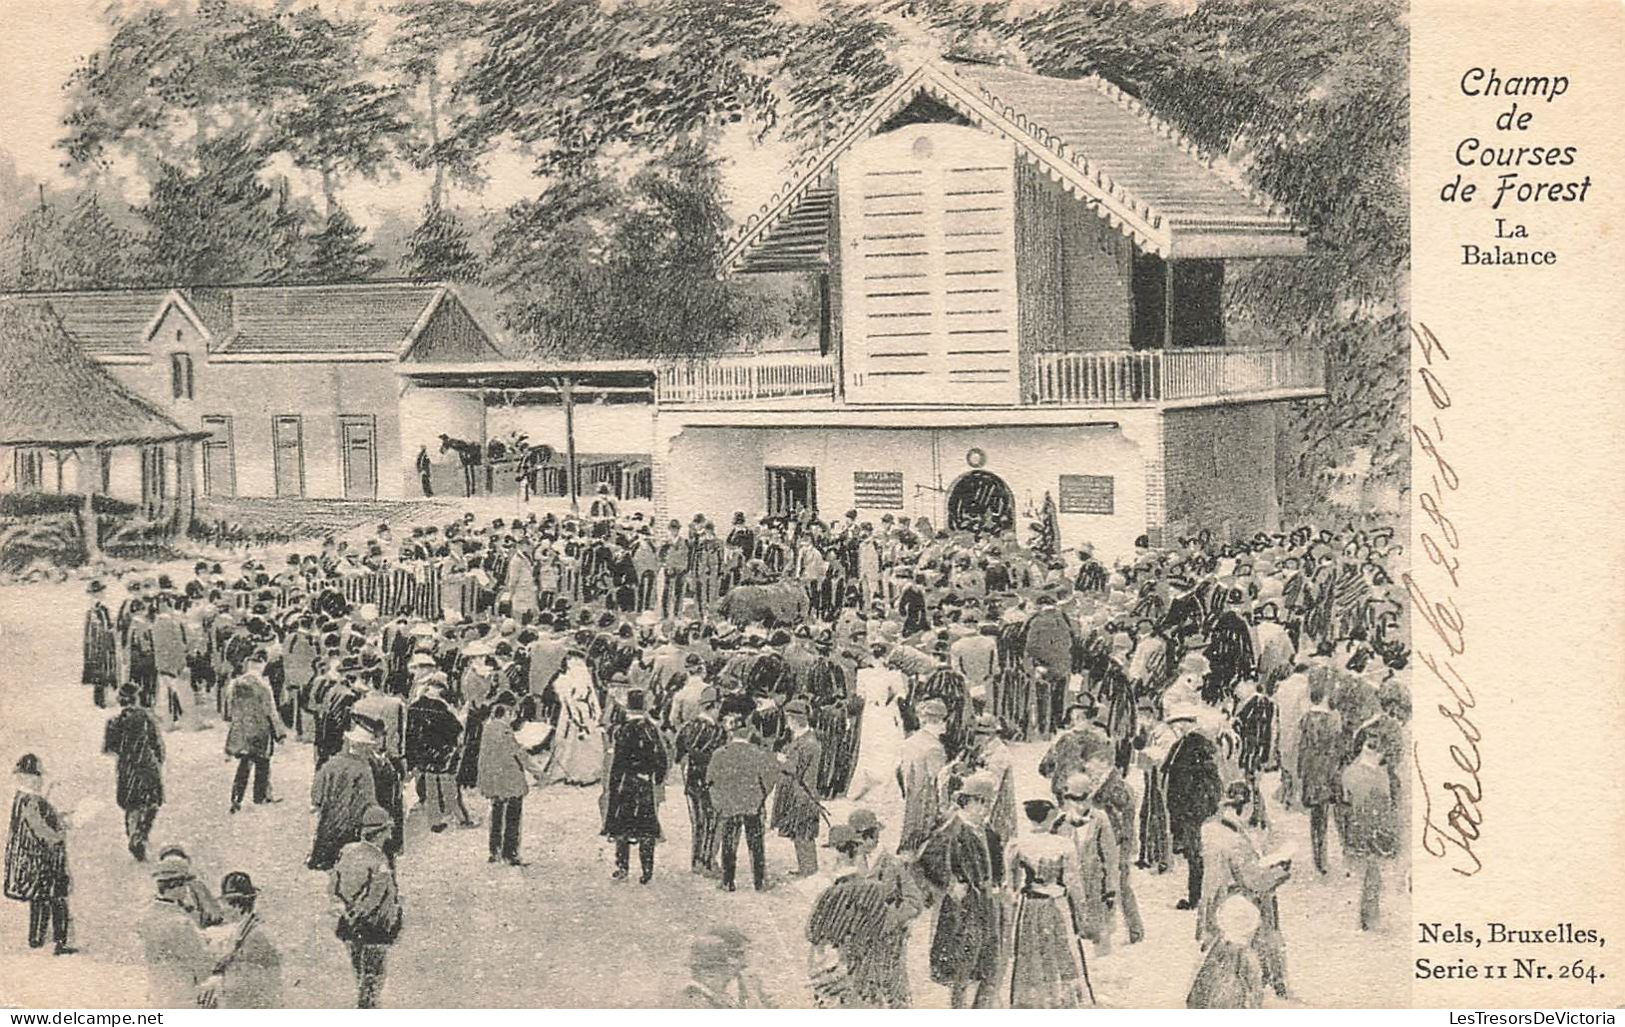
column 1083, row 959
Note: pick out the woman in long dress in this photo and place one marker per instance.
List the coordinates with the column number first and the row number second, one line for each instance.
column 578, row 744
column 1044, row 968
column 880, row 730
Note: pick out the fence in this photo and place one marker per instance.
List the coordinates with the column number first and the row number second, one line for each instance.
column 730, row 379
column 1120, row 378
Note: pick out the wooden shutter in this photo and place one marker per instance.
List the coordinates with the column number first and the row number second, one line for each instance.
column 928, row 280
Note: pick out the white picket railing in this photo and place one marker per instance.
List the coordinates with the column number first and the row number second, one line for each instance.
column 1084, row 379
column 1130, row 378
column 745, row 377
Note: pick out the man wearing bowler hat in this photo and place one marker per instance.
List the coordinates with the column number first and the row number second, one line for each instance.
column 37, row 856
column 135, row 741
column 247, row 970
column 738, row 779
column 698, row 739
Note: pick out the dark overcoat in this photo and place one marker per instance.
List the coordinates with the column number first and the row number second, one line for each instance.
column 133, row 738
column 36, row 850
column 1193, row 783
column 638, row 766
column 795, row 804
column 965, row 945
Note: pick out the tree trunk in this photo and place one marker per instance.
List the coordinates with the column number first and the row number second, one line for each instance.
column 328, row 198
column 437, row 185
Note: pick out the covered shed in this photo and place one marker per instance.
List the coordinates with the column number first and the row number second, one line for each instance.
column 58, row 403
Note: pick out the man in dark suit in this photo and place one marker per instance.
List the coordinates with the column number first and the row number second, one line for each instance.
column 1050, row 642
column 738, row 778
column 796, row 809
column 1194, row 788
column 697, row 741
column 637, row 768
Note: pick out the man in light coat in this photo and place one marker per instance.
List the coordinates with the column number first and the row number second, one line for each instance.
column 255, row 729
column 175, row 950
column 922, row 763
column 504, row 781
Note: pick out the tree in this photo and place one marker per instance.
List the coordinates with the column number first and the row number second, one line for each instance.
column 340, row 122
column 171, row 78
column 82, row 247
column 597, row 266
column 338, row 253
column 439, row 249
column 213, row 225
column 431, row 40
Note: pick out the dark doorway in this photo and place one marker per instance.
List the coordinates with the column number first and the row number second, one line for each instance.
column 981, row 501
column 791, row 490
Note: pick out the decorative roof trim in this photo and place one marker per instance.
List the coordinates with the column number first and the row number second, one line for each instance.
column 175, row 298
column 1122, row 210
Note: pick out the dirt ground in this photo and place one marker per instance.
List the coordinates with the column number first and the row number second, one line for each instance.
column 558, row 932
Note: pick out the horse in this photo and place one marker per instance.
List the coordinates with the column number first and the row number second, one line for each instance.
column 530, row 459
column 471, row 454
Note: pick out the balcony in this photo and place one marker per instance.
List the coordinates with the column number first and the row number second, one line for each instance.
column 1097, row 378
column 1175, row 377
column 745, row 378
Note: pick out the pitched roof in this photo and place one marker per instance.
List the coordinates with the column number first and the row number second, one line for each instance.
column 342, row 319
column 106, row 322
column 1134, row 170
column 361, row 318
column 54, row 394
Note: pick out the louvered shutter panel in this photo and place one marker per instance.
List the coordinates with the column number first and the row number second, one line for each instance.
column 929, row 282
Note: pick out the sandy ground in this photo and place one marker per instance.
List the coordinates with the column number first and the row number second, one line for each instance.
column 558, row 932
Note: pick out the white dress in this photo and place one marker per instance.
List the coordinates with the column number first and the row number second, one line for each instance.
column 578, row 745
column 881, row 743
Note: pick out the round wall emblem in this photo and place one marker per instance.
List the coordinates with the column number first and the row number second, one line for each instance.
column 975, row 457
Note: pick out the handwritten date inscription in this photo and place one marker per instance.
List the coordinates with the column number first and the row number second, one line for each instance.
column 1461, row 794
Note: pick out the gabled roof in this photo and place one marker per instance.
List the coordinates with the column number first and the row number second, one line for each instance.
column 363, row 319
column 360, row 318
column 53, row 394
column 105, row 322
column 1134, row 170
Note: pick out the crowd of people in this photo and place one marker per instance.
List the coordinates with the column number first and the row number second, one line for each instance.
column 769, row 669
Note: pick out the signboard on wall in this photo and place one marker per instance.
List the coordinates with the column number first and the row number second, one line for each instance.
column 877, row 490
column 1085, row 494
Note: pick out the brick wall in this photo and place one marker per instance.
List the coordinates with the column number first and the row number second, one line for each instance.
column 1219, row 469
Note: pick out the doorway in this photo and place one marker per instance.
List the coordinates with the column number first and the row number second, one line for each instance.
column 358, row 436
column 981, row 501
column 791, row 490
column 288, row 454
column 219, row 457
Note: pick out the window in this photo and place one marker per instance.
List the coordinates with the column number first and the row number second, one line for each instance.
column 180, row 375
column 30, row 469
column 877, row 490
column 791, row 490
column 219, row 457
column 1086, row 494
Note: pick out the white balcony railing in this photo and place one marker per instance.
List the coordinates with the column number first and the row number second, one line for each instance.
column 745, row 377
column 1119, row 378
column 1093, row 378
